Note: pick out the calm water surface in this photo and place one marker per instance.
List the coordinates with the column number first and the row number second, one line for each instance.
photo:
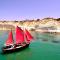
column 45, row 46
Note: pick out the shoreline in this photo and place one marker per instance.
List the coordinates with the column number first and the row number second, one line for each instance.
column 48, row 31
column 50, row 25
column 37, row 30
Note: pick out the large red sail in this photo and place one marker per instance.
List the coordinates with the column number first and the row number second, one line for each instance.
column 19, row 35
column 28, row 36
column 9, row 41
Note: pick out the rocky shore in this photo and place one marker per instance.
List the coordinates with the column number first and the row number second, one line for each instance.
column 42, row 25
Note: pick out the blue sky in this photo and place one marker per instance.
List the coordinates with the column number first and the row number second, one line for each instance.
column 29, row 9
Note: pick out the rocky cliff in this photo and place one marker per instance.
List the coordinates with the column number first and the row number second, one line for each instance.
column 31, row 24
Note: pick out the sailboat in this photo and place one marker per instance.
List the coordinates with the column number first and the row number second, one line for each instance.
column 22, row 41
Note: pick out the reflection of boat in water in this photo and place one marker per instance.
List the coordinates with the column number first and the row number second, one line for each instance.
column 23, row 39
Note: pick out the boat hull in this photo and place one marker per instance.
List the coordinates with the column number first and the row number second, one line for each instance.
column 4, row 51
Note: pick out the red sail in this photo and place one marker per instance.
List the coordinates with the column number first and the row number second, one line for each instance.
column 19, row 35
column 9, row 41
column 28, row 36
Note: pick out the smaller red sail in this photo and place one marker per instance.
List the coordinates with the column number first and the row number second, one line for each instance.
column 9, row 41
column 19, row 35
column 28, row 36
column 26, row 39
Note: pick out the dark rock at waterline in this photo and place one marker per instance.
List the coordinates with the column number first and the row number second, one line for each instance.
column 44, row 40
column 54, row 41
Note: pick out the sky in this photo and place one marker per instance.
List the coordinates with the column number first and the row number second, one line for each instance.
column 29, row 9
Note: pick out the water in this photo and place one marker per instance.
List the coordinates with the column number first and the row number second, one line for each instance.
column 43, row 47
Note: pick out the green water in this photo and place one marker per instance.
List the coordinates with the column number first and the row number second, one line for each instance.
column 41, row 48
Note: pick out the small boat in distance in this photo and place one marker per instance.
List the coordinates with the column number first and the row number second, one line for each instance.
column 22, row 41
